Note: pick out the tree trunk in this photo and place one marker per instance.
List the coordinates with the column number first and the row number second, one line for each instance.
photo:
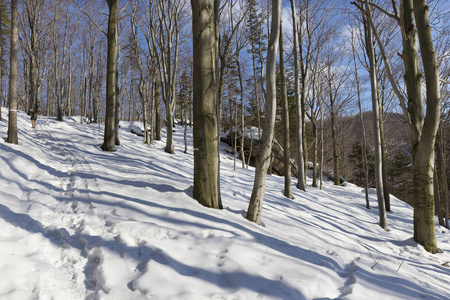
column 185, row 125
column 314, row 158
column 169, row 124
column 117, row 110
column 422, row 131
column 255, row 87
column 109, row 135
column 204, row 97
column 300, row 157
column 12, row 94
column 285, row 121
column 241, row 87
column 1, row 64
column 437, row 200
column 157, row 111
column 69, row 89
column 334, row 139
column 386, row 194
column 363, row 128
column 442, row 174
column 321, row 146
column 263, row 161
column 376, row 121
column 424, row 225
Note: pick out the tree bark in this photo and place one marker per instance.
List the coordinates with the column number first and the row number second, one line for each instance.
column 442, row 174
column 263, row 161
column 157, row 111
column 109, row 134
column 386, row 194
column 300, row 157
column 315, row 144
column 422, row 131
column 365, row 164
column 204, row 97
column 336, row 178
column 241, row 87
column 437, row 200
column 285, row 121
column 12, row 94
column 1, row 64
column 376, row 122
column 423, row 153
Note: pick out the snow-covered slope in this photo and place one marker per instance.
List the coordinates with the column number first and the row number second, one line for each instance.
column 79, row 223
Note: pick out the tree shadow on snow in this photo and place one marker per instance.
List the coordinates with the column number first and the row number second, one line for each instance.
column 145, row 253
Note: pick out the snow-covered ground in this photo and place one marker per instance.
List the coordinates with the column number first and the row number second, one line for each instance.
column 80, row 223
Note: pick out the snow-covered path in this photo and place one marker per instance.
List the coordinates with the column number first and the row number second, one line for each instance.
column 79, row 223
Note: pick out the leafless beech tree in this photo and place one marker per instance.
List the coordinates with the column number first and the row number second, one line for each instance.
column 206, row 135
column 414, row 21
column 12, row 95
column 263, row 161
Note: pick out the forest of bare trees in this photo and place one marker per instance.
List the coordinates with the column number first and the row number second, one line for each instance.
column 352, row 90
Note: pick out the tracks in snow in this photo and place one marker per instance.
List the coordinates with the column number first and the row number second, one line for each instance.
column 78, row 223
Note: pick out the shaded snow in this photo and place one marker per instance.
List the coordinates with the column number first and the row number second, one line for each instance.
column 79, row 223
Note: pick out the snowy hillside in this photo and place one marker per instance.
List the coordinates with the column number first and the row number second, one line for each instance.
column 79, row 223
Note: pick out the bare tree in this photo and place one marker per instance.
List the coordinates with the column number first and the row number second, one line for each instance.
column 166, row 44
column 206, row 135
column 12, row 95
column 422, row 127
column 363, row 129
column 376, row 120
column 285, row 121
column 301, row 184
column 263, row 161
column 137, row 58
column 109, row 133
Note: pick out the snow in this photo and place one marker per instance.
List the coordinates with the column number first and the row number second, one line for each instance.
column 80, row 223
column 249, row 132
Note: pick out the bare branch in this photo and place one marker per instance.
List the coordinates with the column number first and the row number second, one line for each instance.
column 90, row 18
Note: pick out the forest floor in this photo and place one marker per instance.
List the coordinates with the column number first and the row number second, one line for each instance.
column 80, row 223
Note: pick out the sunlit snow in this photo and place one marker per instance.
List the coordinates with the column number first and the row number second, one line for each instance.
column 80, row 223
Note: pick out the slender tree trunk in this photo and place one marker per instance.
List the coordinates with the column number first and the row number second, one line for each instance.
column 386, row 194
column 255, row 87
column 263, row 161
column 314, row 158
column 69, row 89
column 241, row 87
column 437, row 200
column 442, row 174
column 334, row 139
column 300, row 157
column 1, row 64
column 376, row 121
column 153, row 110
column 363, row 129
column 12, row 94
column 117, row 93
column 321, row 146
column 117, row 110
column 157, row 111
column 205, row 115
column 285, row 121
column 109, row 135
column 185, row 125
